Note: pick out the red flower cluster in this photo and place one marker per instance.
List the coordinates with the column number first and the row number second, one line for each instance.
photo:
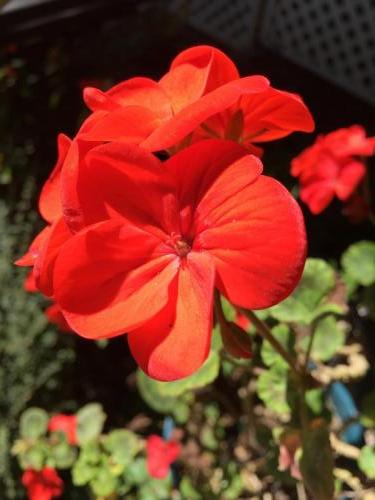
column 66, row 424
column 135, row 245
column 160, row 455
column 42, row 485
column 333, row 166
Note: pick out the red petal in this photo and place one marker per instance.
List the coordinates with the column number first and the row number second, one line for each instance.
column 124, row 180
column 184, row 122
column 160, row 455
column 34, row 249
column 129, row 124
column 318, row 194
column 257, row 238
column 197, row 167
column 274, row 114
column 44, row 264
column 49, row 201
column 351, row 174
column 137, row 91
column 176, row 342
column 220, row 68
column 183, row 85
column 55, row 316
column 124, row 263
column 29, row 283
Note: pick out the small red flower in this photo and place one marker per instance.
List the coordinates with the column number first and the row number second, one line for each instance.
column 66, row 424
column 332, row 166
column 157, row 238
column 160, row 455
column 42, row 485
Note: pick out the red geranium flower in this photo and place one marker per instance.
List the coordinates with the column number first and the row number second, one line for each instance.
column 66, row 424
column 332, row 166
column 202, row 94
column 160, row 455
column 160, row 236
column 42, row 485
column 55, row 316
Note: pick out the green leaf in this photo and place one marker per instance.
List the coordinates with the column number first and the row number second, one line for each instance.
column 156, row 489
column 137, row 473
column 123, row 445
column 315, row 400
column 317, row 463
column 63, row 455
column 83, row 473
column 35, row 457
column 358, row 262
column 204, row 376
column 269, row 355
column 104, row 483
column 150, row 392
column 317, row 281
column 33, row 423
column 90, row 422
column 368, row 410
column 187, row 490
column 272, row 389
column 366, row 461
column 329, row 337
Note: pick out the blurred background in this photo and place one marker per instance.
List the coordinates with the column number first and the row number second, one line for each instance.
column 51, row 49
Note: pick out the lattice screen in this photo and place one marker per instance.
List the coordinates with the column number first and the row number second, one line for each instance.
column 230, row 21
column 335, row 38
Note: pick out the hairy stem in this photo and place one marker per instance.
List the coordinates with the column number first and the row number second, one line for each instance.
column 266, row 333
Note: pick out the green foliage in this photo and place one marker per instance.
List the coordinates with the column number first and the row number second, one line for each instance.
column 32, row 352
column 269, row 356
column 272, row 389
column 358, row 262
column 90, row 422
column 366, row 461
column 310, row 298
column 123, row 445
column 173, row 397
column 33, row 423
column 329, row 336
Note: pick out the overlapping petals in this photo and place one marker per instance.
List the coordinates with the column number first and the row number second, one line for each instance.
column 332, row 166
column 42, row 485
column 205, row 218
column 202, row 95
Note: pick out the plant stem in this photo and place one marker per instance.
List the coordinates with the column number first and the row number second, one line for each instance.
column 266, row 333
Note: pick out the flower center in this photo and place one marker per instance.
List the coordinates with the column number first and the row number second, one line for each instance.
column 181, row 247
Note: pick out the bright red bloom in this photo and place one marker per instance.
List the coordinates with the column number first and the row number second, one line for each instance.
column 42, row 485
column 160, row 455
column 202, row 94
column 332, row 166
column 158, row 237
column 66, row 424
column 242, row 320
column 55, row 316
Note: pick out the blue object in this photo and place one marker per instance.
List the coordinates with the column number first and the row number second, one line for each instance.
column 168, row 426
column 346, row 409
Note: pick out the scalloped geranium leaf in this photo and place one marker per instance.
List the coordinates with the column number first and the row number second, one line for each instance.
column 33, row 423
column 150, row 391
column 269, row 355
column 317, row 281
column 90, row 422
column 123, row 445
column 272, row 389
column 358, row 262
column 328, row 338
